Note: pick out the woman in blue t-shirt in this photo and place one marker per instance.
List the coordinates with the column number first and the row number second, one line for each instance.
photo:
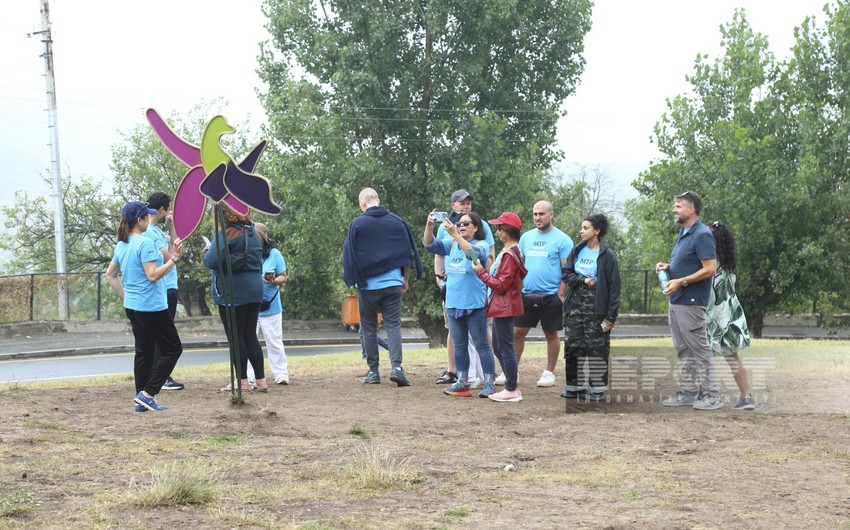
column 466, row 297
column 590, row 310
column 141, row 266
column 271, row 308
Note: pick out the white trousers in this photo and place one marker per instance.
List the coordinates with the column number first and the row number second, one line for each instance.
column 272, row 329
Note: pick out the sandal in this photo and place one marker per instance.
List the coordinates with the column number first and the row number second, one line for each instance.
column 264, row 390
column 446, row 378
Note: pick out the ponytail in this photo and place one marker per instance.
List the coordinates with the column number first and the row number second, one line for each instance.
column 123, row 232
column 124, row 229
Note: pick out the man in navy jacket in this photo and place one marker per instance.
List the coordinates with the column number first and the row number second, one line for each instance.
column 377, row 257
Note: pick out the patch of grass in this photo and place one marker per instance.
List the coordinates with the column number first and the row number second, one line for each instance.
column 45, row 425
column 498, row 497
column 230, row 517
column 177, row 484
column 293, row 453
column 458, row 512
column 15, row 505
column 317, row 525
column 357, row 430
column 374, row 470
column 225, row 441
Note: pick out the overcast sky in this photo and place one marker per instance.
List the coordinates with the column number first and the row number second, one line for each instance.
column 114, row 59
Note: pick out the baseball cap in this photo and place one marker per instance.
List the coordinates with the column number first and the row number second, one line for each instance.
column 135, row 210
column 508, row 218
column 461, row 195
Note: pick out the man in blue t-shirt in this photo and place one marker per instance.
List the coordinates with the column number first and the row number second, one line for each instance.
column 378, row 254
column 691, row 268
column 161, row 202
column 546, row 250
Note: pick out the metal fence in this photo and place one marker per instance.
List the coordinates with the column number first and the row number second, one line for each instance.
column 34, row 297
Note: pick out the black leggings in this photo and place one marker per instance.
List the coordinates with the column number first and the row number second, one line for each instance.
column 154, row 330
column 247, row 343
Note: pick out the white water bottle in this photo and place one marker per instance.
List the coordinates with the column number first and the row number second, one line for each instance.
column 663, row 278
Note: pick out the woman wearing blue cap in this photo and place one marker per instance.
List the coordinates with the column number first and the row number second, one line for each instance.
column 145, row 302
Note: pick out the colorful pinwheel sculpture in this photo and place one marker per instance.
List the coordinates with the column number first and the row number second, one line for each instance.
column 213, row 175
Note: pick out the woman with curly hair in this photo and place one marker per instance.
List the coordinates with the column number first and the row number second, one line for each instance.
column 726, row 324
column 240, row 237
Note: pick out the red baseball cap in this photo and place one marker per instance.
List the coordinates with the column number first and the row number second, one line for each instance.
column 508, row 218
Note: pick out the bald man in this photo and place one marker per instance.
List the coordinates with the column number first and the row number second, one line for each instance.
column 377, row 257
column 546, row 250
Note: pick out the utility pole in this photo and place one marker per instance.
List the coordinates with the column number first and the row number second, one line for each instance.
column 53, row 126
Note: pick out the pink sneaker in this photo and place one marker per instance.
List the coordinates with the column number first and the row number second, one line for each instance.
column 507, row 396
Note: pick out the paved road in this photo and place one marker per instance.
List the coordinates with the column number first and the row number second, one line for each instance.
column 80, row 366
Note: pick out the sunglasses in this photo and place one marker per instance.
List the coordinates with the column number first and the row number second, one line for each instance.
column 463, row 223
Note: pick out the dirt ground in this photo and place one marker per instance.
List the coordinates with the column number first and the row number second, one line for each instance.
column 71, row 457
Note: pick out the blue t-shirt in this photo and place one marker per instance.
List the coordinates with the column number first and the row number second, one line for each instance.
column 586, row 263
column 155, row 234
column 140, row 294
column 463, row 288
column 693, row 245
column 276, row 264
column 391, row 278
column 543, row 254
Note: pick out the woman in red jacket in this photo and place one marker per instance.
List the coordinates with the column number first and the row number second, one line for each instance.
column 505, row 280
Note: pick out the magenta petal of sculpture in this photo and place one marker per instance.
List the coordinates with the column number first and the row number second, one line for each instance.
column 189, row 203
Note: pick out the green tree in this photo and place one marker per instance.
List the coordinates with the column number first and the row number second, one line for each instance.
column 89, row 228
column 415, row 99
column 750, row 139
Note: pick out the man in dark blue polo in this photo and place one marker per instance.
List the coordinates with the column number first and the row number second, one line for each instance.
column 376, row 258
column 691, row 268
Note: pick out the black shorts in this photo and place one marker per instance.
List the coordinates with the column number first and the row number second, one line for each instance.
column 544, row 308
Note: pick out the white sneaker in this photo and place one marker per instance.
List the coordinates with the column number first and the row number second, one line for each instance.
column 547, row 378
column 282, row 380
column 475, row 383
column 500, row 381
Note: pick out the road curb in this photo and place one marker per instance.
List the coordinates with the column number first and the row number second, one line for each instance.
column 189, row 345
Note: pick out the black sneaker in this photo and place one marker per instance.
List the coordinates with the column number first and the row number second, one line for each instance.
column 171, row 384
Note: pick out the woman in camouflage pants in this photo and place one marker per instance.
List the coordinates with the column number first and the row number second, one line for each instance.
column 590, row 310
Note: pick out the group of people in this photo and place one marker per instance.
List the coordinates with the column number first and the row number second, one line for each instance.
column 540, row 277
column 490, row 300
column 143, row 274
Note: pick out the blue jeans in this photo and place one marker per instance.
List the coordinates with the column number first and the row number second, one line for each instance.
column 388, row 302
column 503, row 346
column 475, row 324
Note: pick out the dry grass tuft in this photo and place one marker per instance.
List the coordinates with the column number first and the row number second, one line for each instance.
column 178, row 484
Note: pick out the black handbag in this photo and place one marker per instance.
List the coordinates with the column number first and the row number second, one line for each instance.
column 266, row 304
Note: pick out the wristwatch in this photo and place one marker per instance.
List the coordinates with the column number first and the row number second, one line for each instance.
column 684, row 282
column 174, row 258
